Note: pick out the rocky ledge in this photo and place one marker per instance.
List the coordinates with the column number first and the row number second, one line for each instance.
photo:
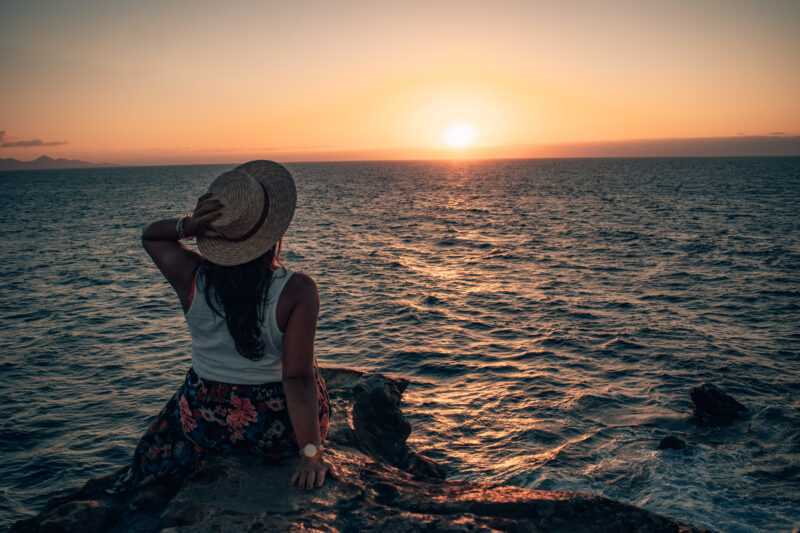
column 378, row 483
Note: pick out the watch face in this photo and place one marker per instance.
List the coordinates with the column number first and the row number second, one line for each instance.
column 309, row 450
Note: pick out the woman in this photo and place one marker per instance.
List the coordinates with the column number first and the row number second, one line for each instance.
column 254, row 384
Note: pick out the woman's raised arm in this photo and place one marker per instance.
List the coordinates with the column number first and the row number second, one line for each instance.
column 176, row 262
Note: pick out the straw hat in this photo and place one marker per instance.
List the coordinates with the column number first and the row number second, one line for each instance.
column 258, row 198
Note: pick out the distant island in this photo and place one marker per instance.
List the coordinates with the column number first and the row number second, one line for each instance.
column 45, row 162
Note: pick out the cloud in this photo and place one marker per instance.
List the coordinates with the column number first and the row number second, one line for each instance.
column 26, row 143
column 30, row 143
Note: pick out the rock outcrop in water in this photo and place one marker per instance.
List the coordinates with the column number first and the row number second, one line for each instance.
column 712, row 405
column 377, row 483
column 671, row 442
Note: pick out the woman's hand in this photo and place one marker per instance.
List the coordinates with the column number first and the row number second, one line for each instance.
column 310, row 472
column 208, row 209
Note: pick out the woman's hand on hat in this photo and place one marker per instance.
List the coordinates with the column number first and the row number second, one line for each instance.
column 208, row 209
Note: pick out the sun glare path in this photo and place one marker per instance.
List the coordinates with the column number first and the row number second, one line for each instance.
column 460, row 136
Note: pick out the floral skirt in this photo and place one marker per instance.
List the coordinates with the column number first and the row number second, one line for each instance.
column 205, row 417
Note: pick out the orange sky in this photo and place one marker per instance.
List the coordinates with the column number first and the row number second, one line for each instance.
column 143, row 82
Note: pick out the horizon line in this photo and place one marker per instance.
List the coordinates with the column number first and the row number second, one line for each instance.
column 101, row 166
column 769, row 145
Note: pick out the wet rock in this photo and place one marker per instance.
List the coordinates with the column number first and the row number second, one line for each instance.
column 382, row 429
column 376, row 484
column 379, row 424
column 152, row 497
column 82, row 515
column 671, row 442
column 370, row 495
column 712, row 405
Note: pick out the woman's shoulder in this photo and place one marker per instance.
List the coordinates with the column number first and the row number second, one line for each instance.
column 299, row 298
column 301, row 287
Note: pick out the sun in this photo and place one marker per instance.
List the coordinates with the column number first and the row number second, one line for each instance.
column 460, row 135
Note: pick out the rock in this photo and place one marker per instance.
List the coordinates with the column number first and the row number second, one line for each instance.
column 382, row 429
column 370, row 495
column 712, row 405
column 671, row 442
column 376, row 483
column 379, row 424
column 88, row 516
column 152, row 497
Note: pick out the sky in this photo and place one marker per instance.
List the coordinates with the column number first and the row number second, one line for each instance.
column 151, row 82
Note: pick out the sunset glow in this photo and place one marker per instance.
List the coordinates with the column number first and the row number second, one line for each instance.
column 460, row 135
column 171, row 83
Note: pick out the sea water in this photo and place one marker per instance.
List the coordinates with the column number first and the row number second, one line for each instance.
column 552, row 316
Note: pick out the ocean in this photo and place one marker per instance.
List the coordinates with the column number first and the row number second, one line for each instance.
column 552, row 316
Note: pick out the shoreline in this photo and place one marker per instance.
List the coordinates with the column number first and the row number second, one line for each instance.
column 377, row 483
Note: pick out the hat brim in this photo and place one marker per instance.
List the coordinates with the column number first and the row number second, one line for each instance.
column 282, row 197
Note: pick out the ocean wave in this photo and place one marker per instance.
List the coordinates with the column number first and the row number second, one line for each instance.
column 553, row 315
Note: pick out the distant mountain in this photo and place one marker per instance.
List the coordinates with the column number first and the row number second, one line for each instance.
column 45, row 162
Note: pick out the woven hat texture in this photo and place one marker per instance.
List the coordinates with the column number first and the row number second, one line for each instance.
column 259, row 199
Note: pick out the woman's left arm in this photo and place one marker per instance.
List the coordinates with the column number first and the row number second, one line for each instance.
column 173, row 259
column 299, row 380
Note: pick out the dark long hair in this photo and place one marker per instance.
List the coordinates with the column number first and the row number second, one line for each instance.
column 241, row 291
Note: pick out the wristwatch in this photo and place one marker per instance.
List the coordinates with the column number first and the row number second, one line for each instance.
column 311, row 450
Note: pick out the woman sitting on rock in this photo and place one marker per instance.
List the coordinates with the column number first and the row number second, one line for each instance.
column 254, row 383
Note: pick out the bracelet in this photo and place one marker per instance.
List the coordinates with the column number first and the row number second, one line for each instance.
column 179, row 227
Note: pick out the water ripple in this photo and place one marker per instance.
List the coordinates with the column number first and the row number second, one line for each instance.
column 552, row 316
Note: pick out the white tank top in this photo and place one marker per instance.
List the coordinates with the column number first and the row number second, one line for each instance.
column 214, row 355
